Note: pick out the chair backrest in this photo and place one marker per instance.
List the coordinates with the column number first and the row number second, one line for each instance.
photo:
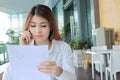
column 98, row 57
column 115, row 59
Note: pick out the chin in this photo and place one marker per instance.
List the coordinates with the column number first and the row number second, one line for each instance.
column 39, row 40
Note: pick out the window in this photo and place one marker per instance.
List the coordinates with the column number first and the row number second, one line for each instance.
column 12, row 21
column 58, row 10
column 4, row 25
column 9, row 21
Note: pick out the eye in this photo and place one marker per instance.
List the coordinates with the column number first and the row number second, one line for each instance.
column 32, row 26
column 43, row 25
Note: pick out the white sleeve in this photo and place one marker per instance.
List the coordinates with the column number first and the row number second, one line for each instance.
column 67, row 65
column 6, row 74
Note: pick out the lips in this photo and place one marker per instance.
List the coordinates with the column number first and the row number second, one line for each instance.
column 38, row 36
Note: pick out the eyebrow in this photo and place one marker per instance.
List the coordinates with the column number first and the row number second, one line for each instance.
column 43, row 22
column 40, row 23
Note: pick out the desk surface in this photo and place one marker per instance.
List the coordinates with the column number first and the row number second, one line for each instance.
column 99, row 52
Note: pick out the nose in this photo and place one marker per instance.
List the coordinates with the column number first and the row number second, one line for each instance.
column 38, row 30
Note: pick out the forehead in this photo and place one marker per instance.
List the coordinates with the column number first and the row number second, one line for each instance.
column 38, row 19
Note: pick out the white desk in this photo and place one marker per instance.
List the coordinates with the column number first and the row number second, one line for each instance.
column 102, row 52
column 106, row 54
column 109, row 51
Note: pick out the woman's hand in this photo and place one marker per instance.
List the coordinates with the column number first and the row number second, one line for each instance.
column 50, row 68
column 25, row 38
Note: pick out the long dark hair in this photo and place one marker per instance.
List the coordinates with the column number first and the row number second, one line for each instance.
column 45, row 12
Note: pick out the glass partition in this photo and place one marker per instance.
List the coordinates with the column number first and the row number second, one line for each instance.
column 3, row 54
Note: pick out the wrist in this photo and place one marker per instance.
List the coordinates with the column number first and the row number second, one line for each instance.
column 60, row 70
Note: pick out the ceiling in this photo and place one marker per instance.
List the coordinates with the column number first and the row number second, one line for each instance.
column 21, row 6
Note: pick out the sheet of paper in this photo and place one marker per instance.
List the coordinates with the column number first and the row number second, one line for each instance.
column 24, row 61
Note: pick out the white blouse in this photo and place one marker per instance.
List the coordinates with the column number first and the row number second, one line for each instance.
column 62, row 54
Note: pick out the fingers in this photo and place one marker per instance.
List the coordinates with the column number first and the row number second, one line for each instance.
column 51, row 72
column 25, row 38
column 48, row 63
column 50, row 68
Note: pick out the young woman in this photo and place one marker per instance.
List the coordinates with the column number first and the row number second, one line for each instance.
column 41, row 29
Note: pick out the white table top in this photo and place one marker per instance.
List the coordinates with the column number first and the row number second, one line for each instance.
column 99, row 51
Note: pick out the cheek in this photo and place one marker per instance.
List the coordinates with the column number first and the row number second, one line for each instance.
column 48, row 32
column 32, row 32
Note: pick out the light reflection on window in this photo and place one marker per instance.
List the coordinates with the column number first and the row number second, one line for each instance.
column 12, row 21
column 4, row 25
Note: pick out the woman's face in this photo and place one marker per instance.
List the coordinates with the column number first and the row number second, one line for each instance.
column 40, row 29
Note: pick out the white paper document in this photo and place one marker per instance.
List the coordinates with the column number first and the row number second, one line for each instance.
column 24, row 61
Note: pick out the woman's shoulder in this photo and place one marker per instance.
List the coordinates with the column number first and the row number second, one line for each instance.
column 60, row 43
column 62, row 47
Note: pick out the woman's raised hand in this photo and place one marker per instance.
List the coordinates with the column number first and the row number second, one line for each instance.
column 25, row 38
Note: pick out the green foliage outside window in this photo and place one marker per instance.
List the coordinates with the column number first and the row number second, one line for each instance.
column 12, row 38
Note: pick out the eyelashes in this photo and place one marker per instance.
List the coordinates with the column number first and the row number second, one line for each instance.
column 44, row 26
column 32, row 26
column 40, row 26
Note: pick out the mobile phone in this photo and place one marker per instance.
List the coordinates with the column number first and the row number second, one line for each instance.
column 30, row 33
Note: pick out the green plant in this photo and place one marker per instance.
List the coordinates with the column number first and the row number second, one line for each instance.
column 13, row 39
column 66, row 31
column 78, row 44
